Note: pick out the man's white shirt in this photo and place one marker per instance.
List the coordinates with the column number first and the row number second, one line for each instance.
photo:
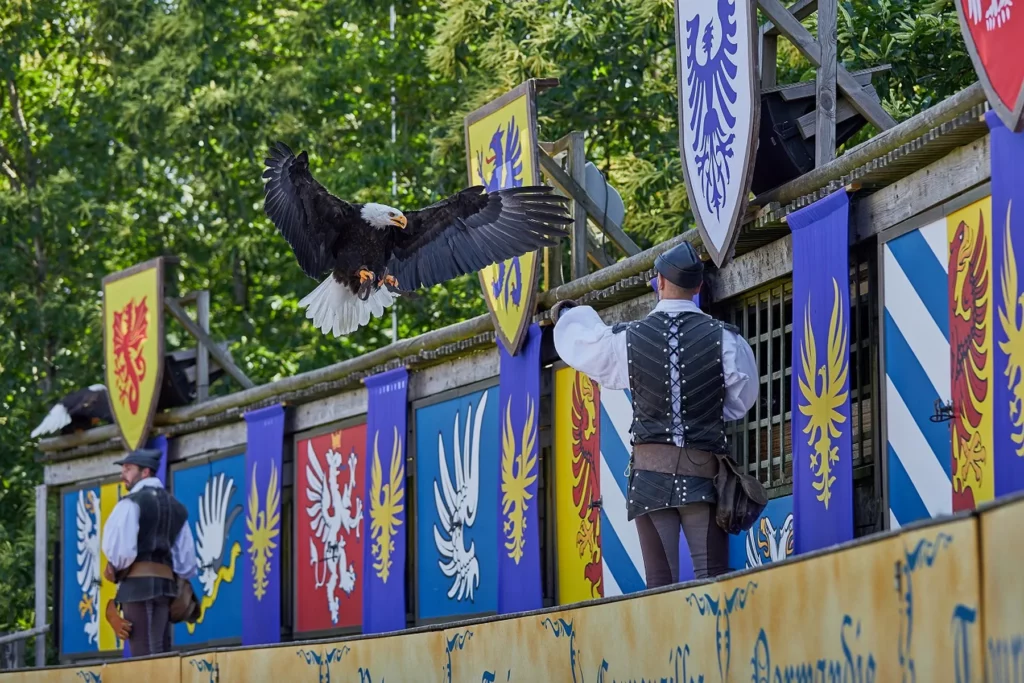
column 590, row 346
column 121, row 536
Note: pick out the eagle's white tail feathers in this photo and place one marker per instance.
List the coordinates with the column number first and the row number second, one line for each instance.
column 333, row 307
column 57, row 419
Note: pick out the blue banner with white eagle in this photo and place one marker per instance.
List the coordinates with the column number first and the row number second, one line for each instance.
column 458, row 453
column 213, row 492
column 384, row 527
column 1008, row 294
column 261, row 562
column 822, row 443
column 519, row 584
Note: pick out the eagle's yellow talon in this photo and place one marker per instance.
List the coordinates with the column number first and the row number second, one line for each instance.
column 365, row 275
column 390, row 280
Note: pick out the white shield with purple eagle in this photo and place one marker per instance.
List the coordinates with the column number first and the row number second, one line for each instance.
column 719, row 106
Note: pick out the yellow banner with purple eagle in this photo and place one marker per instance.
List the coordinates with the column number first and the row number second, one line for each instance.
column 133, row 347
column 501, row 152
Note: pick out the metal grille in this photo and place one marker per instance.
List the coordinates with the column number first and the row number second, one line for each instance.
column 762, row 441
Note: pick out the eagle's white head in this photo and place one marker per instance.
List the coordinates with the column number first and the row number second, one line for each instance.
column 382, row 217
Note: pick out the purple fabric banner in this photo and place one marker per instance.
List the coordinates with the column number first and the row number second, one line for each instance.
column 519, row 585
column 822, row 443
column 261, row 561
column 384, row 526
column 1007, row 150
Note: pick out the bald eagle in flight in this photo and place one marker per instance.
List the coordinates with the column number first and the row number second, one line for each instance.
column 371, row 253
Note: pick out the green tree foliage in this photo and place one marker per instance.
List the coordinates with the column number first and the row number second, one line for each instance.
column 136, row 128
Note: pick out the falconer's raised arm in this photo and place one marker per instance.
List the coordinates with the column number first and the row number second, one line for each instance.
column 586, row 344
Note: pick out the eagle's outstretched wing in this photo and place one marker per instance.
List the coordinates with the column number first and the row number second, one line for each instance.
column 471, row 230
column 305, row 213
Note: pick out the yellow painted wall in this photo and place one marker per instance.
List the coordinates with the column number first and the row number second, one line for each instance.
column 937, row 600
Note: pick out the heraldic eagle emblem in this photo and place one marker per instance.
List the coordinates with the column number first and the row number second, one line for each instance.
column 1011, row 316
column 586, row 467
column 330, row 513
column 212, row 530
column 262, row 529
column 457, row 506
column 386, row 505
column 822, row 404
column 767, row 544
column 518, row 472
column 87, row 529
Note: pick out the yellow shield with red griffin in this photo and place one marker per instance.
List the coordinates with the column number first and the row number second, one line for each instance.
column 133, row 347
column 501, row 152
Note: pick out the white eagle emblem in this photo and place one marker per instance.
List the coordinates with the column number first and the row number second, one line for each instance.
column 87, row 525
column 456, row 507
column 997, row 13
column 330, row 514
column 765, row 544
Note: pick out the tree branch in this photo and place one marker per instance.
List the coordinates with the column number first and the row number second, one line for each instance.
column 26, row 141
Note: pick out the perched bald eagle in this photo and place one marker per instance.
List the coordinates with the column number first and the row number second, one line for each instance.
column 78, row 410
column 374, row 252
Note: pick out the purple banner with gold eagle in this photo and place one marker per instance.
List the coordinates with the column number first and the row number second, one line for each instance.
column 384, row 526
column 1008, row 295
column 519, row 584
column 261, row 561
column 822, row 442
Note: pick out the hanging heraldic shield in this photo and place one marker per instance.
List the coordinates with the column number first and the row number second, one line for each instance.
column 719, row 107
column 133, row 347
column 993, row 31
column 501, row 152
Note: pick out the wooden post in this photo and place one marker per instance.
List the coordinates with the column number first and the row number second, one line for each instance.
column 769, row 59
column 825, row 128
column 41, row 573
column 203, row 353
column 577, row 171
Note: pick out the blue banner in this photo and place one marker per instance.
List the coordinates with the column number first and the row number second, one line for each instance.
column 1007, row 149
column 519, row 584
column 261, row 562
column 822, row 443
column 457, row 454
column 384, row 527
column 213, row 492
column 80, row 584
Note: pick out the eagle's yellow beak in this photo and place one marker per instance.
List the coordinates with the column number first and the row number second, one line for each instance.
column 399, row 221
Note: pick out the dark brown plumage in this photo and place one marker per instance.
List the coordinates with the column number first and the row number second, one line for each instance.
column 374, row 251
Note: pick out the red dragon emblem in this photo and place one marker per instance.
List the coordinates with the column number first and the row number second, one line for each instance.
column 586, row 453
column 130, row 335
column 968, row 296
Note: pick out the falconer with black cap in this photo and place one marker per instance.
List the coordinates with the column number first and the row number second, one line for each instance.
column 149, row 547
column 688, row 374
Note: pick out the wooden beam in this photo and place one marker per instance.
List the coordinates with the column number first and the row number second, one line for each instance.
column 808, row 122
column 753, row 269
column 769, row 60
column 962, row 169
column 797, row 91
column 877, row 147
column 801, row 9
column 801, row 38
column 40, row 574
column 595, row 253
column 203, row 353
column 578, row 237
column 563, row 182
column 825, row 84
column 225, row 361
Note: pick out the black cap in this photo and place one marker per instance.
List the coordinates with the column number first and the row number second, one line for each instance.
column 681, row 266
column 144, row 457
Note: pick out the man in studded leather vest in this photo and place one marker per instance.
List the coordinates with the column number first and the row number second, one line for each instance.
column 688, row 374
column 148, row 544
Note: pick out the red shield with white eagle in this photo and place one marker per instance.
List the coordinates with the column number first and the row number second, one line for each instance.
column 330, row 503
column 994, row 33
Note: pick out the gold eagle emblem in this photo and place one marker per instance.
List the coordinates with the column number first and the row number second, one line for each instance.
column 386, row 504
column 262, row 530
column 1013, row 328
column 821, row 406
column 518, row 472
